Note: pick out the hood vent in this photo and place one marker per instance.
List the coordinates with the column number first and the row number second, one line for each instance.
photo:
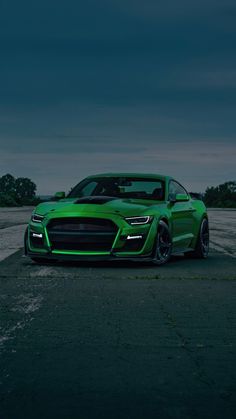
column 98, row 200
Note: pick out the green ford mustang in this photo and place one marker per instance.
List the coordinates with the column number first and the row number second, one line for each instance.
column 119, row 216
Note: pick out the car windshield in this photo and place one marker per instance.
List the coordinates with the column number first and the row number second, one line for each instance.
column 120, row 187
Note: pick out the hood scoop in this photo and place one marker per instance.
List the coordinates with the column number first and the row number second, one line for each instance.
column 98, row 200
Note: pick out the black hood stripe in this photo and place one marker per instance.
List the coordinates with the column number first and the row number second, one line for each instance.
column 95, row 200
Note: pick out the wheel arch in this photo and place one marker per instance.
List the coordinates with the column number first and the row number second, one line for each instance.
column 165, row 219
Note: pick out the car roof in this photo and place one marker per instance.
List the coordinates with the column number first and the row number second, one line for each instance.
column 137, row 175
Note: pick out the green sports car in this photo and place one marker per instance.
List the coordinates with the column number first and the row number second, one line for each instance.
column 119, row 216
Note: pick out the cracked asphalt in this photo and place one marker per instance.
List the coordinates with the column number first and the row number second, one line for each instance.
column 106, row 340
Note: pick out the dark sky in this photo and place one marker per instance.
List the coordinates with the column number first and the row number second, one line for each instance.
column 118, row 85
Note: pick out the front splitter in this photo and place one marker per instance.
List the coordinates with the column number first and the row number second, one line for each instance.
column 84, row 258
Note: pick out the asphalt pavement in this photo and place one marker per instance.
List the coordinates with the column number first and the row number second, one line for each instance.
column 118, row 340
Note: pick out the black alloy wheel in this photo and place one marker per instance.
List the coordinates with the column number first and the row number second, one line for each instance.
column 203, row 245
column 163, row 245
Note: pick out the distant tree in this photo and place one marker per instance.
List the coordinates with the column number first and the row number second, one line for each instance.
column 25, row 190
column 222, row 196
column 7, row 200
column 20, row 191
column 7, row 184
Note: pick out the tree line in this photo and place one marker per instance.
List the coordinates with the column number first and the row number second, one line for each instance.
column 17, row 191
column 22, row 191
column 221, row 196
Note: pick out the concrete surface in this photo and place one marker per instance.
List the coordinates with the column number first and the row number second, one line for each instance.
column 12, row 226
column 119, row 340
column 223, row 231
column 14, row 216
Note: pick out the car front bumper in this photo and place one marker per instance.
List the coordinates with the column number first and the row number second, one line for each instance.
column 130, row 243
column 87, row 258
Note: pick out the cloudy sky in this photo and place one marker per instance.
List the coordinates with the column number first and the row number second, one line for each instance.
column 118, row 85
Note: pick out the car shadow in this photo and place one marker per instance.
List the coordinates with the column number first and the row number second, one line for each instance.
column 114, row 264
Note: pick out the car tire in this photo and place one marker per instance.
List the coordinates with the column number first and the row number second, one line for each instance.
column 26, row 242
column 202, row 246
column 163, row 245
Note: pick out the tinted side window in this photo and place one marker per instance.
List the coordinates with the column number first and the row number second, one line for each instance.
column 175, row 188
column 88, row 189
column 84, row 188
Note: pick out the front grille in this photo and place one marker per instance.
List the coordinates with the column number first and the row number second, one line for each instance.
column 81, row 234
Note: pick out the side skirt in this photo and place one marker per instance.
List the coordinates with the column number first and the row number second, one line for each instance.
column 182, row 250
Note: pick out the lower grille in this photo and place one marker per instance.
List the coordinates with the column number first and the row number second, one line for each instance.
column 134, row 245
column 81, row 234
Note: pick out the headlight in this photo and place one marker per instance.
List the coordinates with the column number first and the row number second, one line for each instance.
column 139, row 220
column 36, row 218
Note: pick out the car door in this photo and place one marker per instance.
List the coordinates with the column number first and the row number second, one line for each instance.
column 182, row 217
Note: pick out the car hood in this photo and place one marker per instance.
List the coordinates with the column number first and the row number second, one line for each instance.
column 97, row 205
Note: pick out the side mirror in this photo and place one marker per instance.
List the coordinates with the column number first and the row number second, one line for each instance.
column 181, row 197
column 59, row 195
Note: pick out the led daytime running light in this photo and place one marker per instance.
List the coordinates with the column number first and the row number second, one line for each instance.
column 36, row 218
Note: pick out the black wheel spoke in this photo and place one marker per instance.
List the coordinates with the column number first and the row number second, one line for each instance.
column 163, row 248
column 161, row 231
column 165, row 245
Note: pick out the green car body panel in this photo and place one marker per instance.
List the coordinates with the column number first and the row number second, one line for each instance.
column 137, row 241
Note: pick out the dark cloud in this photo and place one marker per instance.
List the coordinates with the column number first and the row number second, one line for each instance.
column 117, row 85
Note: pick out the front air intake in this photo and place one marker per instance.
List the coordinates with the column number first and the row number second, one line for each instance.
column 81, row 234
